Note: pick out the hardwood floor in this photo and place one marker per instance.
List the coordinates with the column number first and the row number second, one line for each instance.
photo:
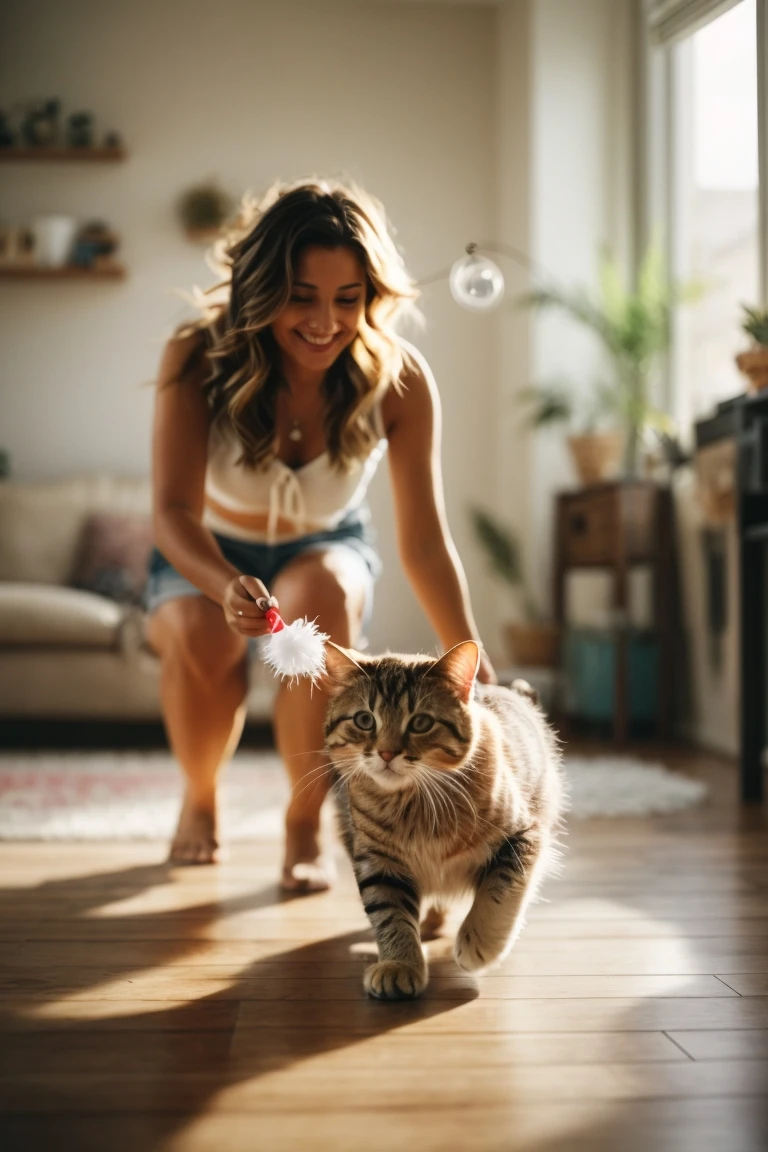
column 146, row 1008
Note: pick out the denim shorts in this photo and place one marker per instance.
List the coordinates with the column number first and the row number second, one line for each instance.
column 353, row 535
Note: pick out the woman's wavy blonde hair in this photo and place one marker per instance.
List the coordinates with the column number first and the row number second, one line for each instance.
column 257, row 257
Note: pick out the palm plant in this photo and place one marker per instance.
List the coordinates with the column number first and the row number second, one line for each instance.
column 754, row 361
column 503, row 552
column 634, row 328
column 560, row 402
column 755, row 324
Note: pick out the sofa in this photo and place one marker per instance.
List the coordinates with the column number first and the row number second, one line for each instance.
column 71, row 623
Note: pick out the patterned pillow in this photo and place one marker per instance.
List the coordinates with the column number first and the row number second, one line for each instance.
column 112, row 556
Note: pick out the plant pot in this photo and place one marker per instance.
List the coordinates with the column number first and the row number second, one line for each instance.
column 754, row 365
column 533, row 645
column 597, row 457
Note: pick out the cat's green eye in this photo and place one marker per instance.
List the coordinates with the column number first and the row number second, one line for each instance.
column 364, row 720
column 421, row 723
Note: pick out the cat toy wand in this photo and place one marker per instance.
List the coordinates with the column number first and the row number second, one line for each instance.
column 292, row 650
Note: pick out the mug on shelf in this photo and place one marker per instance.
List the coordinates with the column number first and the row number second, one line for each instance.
column 53, row 239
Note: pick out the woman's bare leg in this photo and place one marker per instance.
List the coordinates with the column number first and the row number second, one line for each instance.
column 326, row 586
column 203, row 685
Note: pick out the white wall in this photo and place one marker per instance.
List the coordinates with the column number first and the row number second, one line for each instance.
column 581, row 185
column 515, row 78
column 400, row 96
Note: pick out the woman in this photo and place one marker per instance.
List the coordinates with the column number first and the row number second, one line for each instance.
column 271, row 415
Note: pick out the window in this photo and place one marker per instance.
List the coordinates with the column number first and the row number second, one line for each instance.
column 714, row 205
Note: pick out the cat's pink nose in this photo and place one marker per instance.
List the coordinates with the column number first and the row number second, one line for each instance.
column 387, row 756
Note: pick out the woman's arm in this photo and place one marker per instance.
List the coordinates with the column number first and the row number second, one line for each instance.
column 179, row 457
column 428, row 554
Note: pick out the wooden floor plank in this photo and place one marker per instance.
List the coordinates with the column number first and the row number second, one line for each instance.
column 746, row 983
column 468, row 1087
column 160, row 1052
column 156, row 985
column 724, row 1044
column 67, row 963
column 445, row 1017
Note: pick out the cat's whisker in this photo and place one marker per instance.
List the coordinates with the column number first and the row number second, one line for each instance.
column 441, row 799
column 311, row 777
column 422, row 788
column 444, row 779
column 311, row 752
column 324, row 767
column 317, row 768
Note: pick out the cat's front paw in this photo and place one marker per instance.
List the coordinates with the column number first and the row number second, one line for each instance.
column 470, row 952
column 391, row 980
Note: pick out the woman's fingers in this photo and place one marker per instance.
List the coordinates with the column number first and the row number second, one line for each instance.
column 254, row 588
column 241, row 610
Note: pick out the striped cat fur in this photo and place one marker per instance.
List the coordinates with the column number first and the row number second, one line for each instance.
column 445, row 788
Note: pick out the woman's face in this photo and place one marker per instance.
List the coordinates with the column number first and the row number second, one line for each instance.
column 325, row 309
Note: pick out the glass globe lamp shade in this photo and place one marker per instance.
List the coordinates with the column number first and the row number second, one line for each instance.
column 476, row 283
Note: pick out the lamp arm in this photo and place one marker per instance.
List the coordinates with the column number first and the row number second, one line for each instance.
column 442, row 275
column 516, row 254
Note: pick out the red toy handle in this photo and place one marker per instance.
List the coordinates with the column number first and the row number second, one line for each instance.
column 275, row 620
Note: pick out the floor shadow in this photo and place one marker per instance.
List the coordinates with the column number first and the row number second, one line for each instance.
column 131, row 1080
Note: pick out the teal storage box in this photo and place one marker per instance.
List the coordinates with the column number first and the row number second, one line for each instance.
column 590, row 675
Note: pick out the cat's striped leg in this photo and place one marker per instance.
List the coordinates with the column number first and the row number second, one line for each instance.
column 504, row 888
column 392, row 902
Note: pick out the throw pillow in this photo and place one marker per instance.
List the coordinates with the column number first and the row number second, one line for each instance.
column 112, row 556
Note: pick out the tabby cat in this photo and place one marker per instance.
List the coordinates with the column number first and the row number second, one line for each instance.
column 444, row 788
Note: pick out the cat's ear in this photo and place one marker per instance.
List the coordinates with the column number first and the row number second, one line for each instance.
column 459, row 668
column 340, row 667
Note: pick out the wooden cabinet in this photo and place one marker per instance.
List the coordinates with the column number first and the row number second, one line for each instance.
column 616, row 526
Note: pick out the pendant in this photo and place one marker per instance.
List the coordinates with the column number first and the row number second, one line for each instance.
column 295, row 432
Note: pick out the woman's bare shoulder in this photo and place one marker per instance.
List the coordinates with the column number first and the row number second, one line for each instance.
column 416, row 390
column 184, row 359
column 415, row 365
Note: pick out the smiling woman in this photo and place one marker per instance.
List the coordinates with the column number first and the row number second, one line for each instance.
column 273, row 411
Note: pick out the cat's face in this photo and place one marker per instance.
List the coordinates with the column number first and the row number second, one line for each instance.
column 396, row 717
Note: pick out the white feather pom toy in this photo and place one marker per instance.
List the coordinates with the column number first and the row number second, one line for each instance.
column 293, row 650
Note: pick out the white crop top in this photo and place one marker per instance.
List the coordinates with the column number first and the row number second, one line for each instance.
column 313, row 497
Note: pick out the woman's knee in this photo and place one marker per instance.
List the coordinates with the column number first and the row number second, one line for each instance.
column 192, row 631
column 324, row 586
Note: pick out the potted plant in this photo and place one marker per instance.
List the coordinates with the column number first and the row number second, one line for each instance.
column 532, row 642
column 203, row 209
column 634, row 330
column 754, row 362
column 596, row 441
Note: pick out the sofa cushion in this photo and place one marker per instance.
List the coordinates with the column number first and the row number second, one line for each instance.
column 41, row 521
column 113, row 554
column 47, row 616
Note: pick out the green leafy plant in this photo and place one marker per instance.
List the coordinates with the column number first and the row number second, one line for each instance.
column 634, row 328
column 755, row 324
column 561, row 402
column 204, row 207
column 503, row 551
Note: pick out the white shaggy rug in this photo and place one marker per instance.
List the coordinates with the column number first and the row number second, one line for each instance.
column 135, row 795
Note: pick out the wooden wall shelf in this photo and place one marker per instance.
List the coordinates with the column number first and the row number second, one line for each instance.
column 68, row 154
column 69, row 272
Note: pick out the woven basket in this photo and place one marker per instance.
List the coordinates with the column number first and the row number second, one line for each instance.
column 597, row 457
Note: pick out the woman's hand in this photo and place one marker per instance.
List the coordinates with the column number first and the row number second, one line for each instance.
column 241, row 610
column 485, row 672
